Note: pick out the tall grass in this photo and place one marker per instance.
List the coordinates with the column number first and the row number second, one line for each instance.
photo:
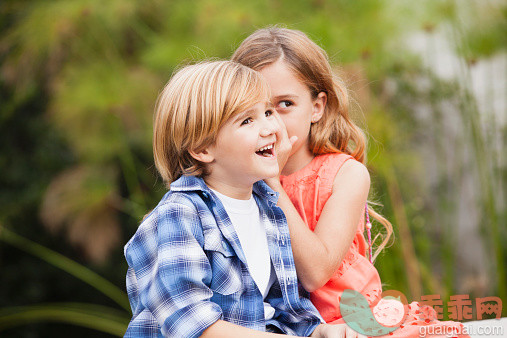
column 101, row 318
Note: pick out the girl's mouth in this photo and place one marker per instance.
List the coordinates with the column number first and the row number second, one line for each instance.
column 266, row 151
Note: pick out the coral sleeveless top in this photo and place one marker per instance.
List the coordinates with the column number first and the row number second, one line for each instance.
column 309, row 189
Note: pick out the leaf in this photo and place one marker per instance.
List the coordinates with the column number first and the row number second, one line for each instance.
column 82, row 199
column 75, row 269
column 92, row 316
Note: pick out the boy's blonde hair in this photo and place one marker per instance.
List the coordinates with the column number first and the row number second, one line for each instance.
column 193, row 106
column 335, row 131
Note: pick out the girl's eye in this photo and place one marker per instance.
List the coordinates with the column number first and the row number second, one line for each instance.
column 285, row 104
column 268, row 113
column 247, row 121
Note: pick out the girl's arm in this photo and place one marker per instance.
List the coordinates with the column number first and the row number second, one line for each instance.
column 318, row 254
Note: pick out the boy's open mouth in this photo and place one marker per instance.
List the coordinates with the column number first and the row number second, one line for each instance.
column 266, row 151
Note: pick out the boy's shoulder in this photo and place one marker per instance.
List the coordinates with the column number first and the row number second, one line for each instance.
column 183, row 205
column 186, row 192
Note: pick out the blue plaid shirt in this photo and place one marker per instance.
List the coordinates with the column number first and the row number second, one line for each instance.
column 187, row 269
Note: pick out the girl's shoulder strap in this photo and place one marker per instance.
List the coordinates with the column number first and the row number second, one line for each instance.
column 331, row 163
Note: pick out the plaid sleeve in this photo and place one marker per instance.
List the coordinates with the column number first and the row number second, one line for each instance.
column 172, row 271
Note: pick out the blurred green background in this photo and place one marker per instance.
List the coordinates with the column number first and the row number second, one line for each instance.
column 78, row 83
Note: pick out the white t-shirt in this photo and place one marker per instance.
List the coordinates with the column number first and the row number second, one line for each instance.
column 245, row 218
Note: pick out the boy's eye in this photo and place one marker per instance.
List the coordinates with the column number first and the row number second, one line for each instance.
column 268, row 113
column 285, row 104
column 246, row 121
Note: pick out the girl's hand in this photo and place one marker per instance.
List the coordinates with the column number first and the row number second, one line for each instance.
column 335, row 331
column 283, row 143
column 283, row 147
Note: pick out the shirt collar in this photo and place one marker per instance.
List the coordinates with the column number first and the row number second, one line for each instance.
column 264, row 191
column 194, row 183
column 189, row 183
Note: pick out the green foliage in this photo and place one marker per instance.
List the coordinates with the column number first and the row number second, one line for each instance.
column 64, row 263
column 93, row 316
column 90, row 316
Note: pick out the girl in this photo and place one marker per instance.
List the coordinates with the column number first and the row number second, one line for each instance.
column 324, row 184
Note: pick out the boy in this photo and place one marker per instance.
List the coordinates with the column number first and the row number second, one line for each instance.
column 213, row 259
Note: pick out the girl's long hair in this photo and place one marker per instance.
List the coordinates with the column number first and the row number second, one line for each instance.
column 335, row 131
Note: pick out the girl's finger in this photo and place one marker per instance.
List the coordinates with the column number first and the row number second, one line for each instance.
column 339, row 331
column 281, row 131
column 278, row 118
column 280, row 122
column 350, row 333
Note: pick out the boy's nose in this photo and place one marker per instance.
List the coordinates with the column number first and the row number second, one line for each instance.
column 269, row 127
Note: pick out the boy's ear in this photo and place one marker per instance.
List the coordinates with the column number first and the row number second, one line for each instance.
column 204, row 156
column 319, row 105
